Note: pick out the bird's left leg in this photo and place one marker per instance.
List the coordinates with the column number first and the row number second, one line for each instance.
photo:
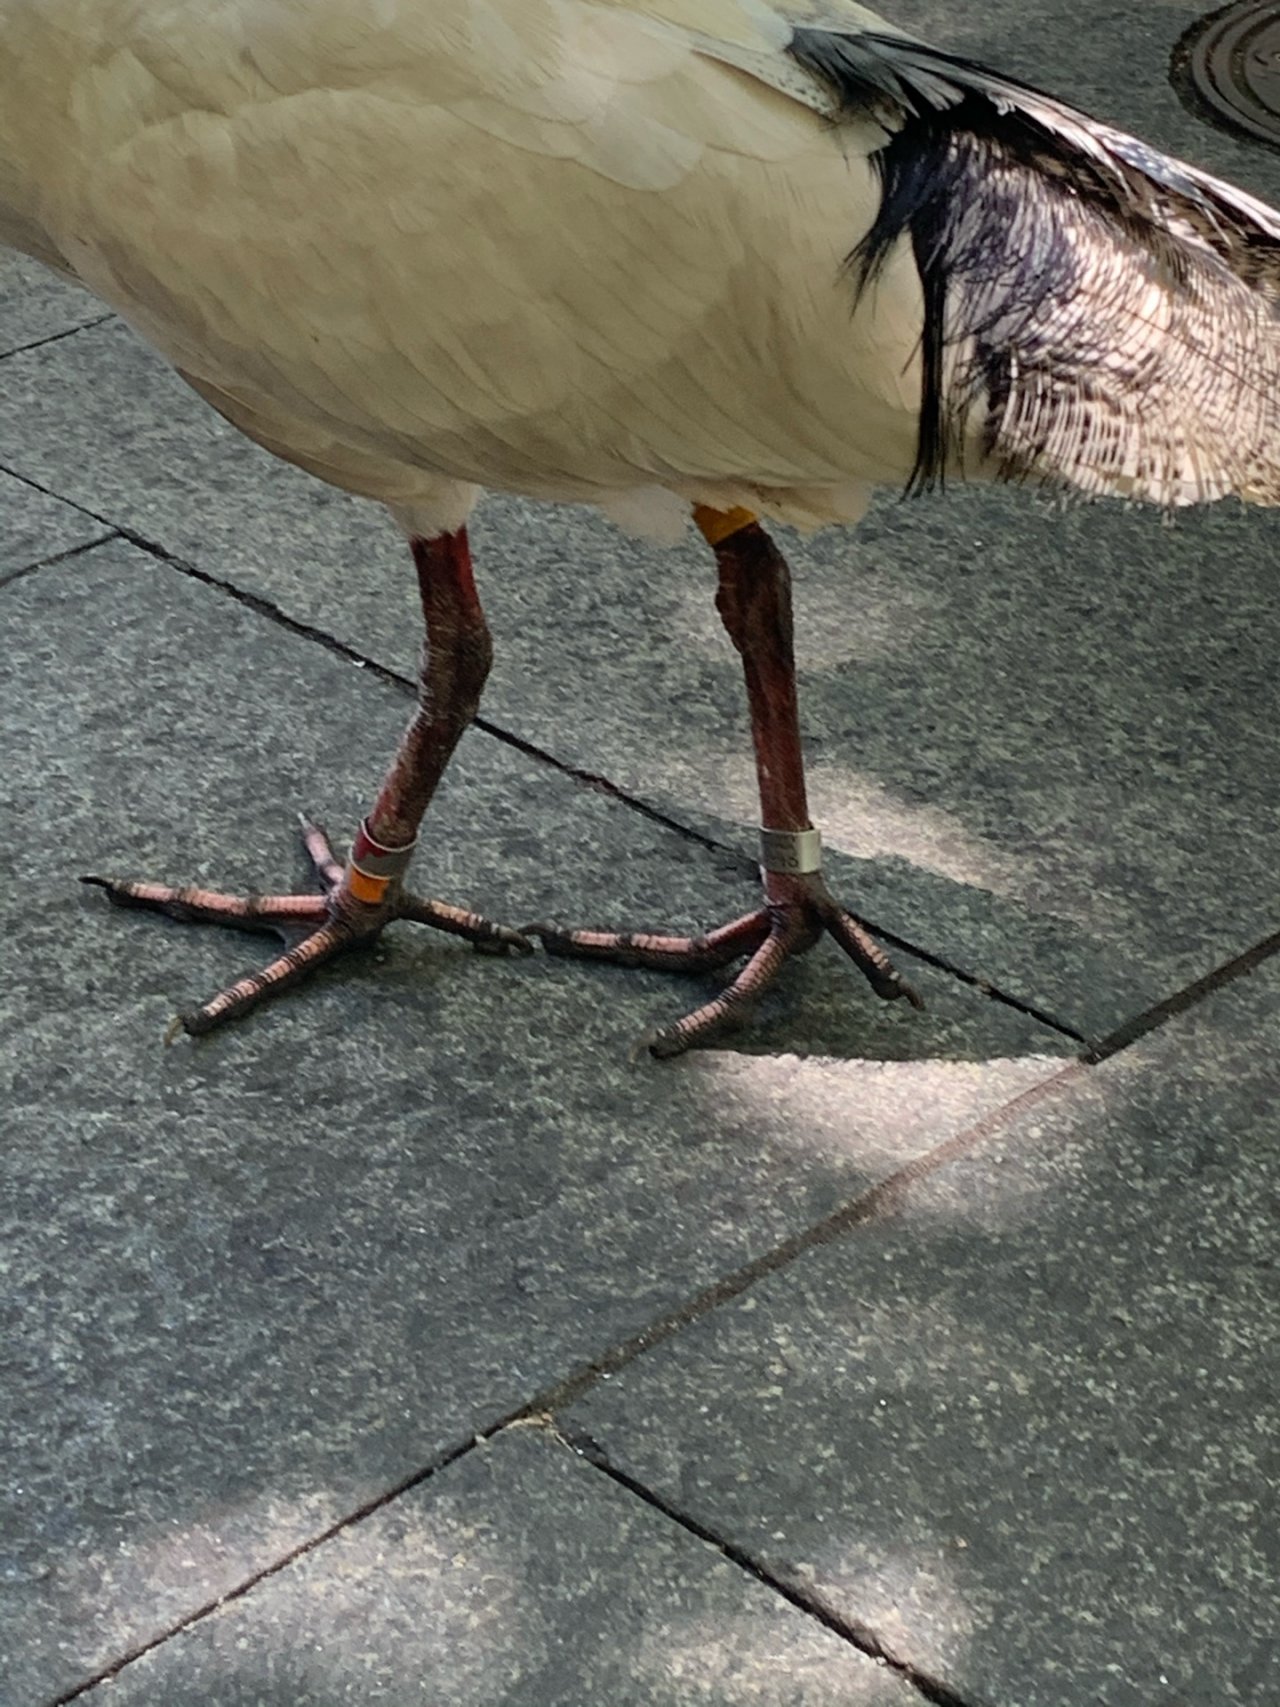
column 754, row 601
column 358, row 899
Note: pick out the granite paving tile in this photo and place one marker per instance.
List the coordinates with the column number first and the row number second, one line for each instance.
column 517, row 1575
column 1024, row 1425
column 1025, row 1430
column 253, row 1281
column 1042, row 744
column 37, row 303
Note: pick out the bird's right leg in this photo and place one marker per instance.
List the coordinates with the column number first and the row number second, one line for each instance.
column 754, row 601
column 357, row 900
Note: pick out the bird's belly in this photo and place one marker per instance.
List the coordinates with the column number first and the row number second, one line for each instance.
column 484, row 312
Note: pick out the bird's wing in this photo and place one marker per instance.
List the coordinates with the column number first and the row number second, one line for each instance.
column 1110, row 314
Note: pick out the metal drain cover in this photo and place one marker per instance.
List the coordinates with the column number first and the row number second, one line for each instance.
column 1233, row 63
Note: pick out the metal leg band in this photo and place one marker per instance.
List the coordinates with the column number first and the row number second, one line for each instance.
column 372, row 868
column 792, row 853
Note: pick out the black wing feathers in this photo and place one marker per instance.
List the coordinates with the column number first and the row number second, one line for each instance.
column 1096, row 314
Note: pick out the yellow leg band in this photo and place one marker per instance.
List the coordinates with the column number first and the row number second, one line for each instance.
column 717, row 525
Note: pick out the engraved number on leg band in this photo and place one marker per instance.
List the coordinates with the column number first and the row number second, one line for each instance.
column 793, row 853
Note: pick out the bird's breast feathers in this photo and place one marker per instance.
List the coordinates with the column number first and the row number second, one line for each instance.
column 547, row 245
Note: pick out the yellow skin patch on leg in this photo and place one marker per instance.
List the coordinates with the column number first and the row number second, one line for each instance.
column 717, row 525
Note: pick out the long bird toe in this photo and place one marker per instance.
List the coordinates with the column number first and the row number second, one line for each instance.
column 798, row 911
column 313, row 927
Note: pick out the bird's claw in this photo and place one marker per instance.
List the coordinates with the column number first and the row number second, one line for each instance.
column 798, row 912
column 314, row 927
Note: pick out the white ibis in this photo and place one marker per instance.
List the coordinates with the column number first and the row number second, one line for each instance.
column 739, row 259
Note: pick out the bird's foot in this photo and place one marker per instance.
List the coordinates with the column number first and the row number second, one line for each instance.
column 314, row 928
column 797, row 911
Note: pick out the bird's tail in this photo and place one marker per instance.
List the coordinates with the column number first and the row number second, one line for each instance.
column 1097, row 315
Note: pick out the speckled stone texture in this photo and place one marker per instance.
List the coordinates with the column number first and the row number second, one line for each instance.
column 256, row 1280
column 36, row 304
column 1041, row 744
column 517, row 1577
column 1025, row 1424
column 35, row 527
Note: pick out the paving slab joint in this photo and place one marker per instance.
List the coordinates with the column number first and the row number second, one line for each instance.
column 55, row 337
column 1159, row 1013
column 873, row 1204
column 55, row 558
column 857, row 1635
column 198, row 1614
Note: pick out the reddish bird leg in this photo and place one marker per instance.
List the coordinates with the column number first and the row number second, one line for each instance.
column 754, row 601
column 357, row 900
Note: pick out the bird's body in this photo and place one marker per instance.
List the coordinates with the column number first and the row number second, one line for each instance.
column 421, row 246
column 755, row 255
column 577, row 249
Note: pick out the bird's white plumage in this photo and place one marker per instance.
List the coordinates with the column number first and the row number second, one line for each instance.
column 579, row 249
column 538, row 245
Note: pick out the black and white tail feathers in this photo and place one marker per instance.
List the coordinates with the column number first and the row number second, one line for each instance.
column 1104, row 317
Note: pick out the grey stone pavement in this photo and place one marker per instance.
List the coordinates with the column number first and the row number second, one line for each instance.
column 408, row 1343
